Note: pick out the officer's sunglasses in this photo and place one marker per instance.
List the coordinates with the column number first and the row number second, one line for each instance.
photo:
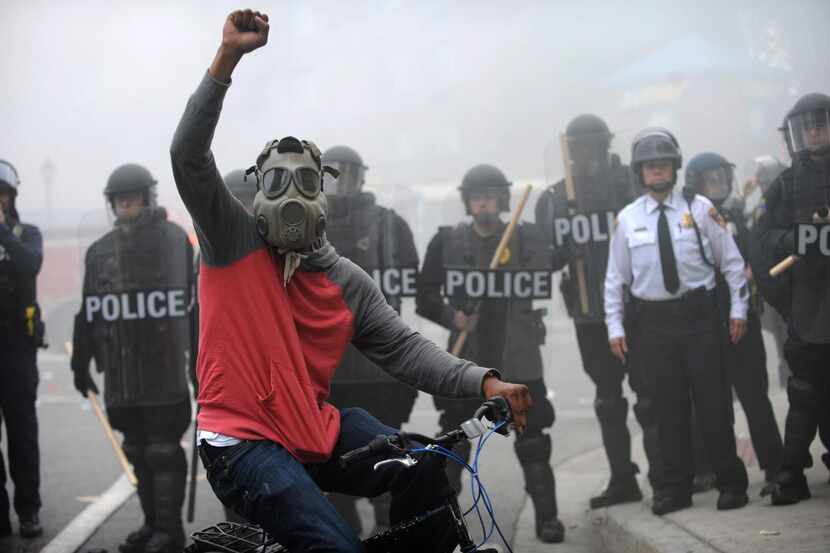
column 275, row 181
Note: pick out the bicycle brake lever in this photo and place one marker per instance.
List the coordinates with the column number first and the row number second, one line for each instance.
column 405, row 461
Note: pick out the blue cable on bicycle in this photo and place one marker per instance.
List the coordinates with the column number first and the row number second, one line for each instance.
column 477, row 488
column 483, row 495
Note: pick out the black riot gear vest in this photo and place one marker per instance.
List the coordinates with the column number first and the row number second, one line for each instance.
column 595, row 197
column 18, row 291
column 141, row 273
column 518, row 329
column 375, row 238
column 810, row 316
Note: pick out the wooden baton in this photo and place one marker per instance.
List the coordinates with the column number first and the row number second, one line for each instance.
column 494, row 263
column 570, row 192
column 128, row 470
column 783, row 266
column 96, row 406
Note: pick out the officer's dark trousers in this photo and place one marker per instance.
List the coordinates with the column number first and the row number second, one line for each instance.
column 607, row 374
column 746, row 367
column 152, row 443
column 681, row 348
column 18, row 391
column 809, row 394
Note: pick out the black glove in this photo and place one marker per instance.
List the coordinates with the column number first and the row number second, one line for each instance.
column 84, row 383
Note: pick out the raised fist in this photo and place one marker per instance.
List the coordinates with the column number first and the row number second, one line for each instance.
column 245, row 31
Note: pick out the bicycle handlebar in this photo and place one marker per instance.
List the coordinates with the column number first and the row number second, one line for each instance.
column 496, row 409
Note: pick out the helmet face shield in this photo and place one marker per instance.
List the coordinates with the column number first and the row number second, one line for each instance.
column 8, row 176
column 808, row 132
column 716, row 184
column 348, row 183
column 590, row 154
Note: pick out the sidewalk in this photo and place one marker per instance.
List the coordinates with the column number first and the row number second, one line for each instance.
column 632, row 528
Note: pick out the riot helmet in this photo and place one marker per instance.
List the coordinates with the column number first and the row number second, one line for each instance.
column 10, row 181
column 289, row 206
column 653, row 144
column 485, row 178
column 711, row 175
column 242, row 187
column 351, row 168
column 131, row 177
column 806, row 127
column 589, row 142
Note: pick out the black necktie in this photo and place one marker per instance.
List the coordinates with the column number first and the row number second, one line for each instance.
column 670, row 279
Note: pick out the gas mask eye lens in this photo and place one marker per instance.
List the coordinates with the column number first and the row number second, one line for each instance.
column 275, row 181
column 309, row 181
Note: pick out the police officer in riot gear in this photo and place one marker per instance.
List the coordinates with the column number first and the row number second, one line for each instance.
column 503, row 333
column 801, row 194
column 711, row 175
column 133, row 322
column 665, row 250
column 376, row 239
column 601, row 184
column 21, row 333
column 763, row 171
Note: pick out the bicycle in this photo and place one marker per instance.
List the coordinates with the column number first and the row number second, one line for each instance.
column 230, row 537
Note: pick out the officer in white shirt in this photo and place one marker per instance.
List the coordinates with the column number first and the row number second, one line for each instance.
column 665, row 250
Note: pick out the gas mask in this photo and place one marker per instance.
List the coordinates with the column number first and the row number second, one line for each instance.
column 289, row 206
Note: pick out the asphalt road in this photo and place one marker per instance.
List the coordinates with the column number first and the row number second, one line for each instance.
column 78, row 464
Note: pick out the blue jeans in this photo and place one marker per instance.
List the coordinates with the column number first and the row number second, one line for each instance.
column 262, row 482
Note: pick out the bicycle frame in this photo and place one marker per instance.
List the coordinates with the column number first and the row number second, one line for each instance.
column 229, row 537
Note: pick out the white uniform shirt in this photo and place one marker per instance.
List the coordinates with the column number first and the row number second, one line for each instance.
column 634, row 256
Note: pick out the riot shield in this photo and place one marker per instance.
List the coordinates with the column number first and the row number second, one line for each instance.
column 593, row 193
column 371, row 236
column 136, row 292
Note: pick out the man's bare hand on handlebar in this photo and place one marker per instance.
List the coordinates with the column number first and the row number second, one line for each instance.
column 517, row 395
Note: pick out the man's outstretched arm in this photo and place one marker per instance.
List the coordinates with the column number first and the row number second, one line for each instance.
column 215, row 214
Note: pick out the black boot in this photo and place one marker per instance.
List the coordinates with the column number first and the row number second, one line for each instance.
column 611, row 414
column 136, row 540
column 169, row 499
column 30, row 526
column 162, row 542
column 664, row 504
column 728, row 500
column 619, row 490
column 541, row 486
column 788, row 488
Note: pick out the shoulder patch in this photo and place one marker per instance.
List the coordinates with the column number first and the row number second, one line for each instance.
column 717, row 217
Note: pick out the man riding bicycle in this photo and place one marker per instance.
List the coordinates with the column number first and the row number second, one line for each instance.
column 278, row 308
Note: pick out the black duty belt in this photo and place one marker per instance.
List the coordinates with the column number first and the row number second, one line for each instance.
column 692, row 302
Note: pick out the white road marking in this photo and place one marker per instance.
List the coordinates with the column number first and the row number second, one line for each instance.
column 77, row 532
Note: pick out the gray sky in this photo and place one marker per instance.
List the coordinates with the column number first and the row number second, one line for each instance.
column 423, row 90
